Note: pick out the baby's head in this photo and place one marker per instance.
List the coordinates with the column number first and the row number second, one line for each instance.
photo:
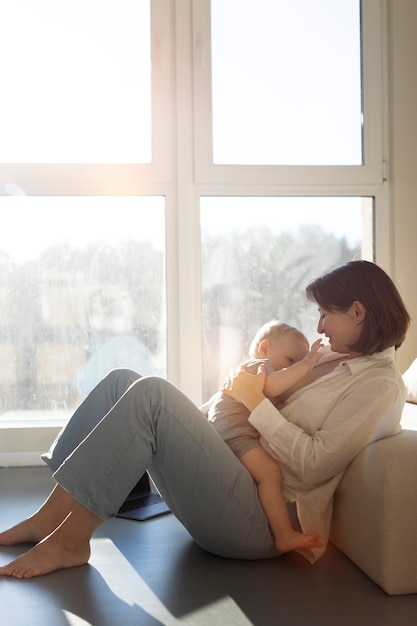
column 279, row 342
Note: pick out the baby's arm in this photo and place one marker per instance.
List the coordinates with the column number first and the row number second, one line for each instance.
column 280, row 380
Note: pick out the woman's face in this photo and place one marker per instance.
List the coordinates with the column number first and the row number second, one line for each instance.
column 342, row 329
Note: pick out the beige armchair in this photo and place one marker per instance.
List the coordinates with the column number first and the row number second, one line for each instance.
column 375, row 510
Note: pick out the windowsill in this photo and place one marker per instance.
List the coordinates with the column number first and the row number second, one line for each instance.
column 34, row 419
column 26, row 434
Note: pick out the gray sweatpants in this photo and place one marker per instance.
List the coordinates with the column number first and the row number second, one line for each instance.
column 129, row 424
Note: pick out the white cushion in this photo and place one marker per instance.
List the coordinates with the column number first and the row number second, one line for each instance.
column 375, row 512
column 410, row 381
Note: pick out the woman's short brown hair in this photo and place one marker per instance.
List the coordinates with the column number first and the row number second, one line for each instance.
column 386, row 321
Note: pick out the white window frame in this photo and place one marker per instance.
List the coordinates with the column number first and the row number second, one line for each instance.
column 371, row 171
column 182, row 172
column 115, row 179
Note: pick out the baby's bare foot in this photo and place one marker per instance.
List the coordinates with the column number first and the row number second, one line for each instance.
column 297, row 541
column 49, row 555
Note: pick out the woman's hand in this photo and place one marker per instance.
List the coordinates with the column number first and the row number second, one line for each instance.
column 245, row 387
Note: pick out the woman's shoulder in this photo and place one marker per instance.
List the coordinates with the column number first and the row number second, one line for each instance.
column 379, row 363
column 380, row 374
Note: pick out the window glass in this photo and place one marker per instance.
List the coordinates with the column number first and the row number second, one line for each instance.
column 258, row 255
column 82, row 291
column 286, row 82
column 76, row 81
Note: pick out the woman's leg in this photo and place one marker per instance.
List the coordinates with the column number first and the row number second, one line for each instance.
column 62, row 526
column 207, row 487
column 155, row 426
column 90, row 412
column 54, row 510
column 60, row 503
column 67, row 546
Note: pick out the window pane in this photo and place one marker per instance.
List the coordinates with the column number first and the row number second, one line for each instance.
column 258, row 255
column 76, row 81
column 82, row 290
column 286, row 81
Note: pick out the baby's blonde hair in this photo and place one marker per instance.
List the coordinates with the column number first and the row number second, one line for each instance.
column 272, row 330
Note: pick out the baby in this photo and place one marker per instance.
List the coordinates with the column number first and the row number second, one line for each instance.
column 287, row 357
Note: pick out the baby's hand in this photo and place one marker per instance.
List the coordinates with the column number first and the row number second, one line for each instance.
column 314, row 356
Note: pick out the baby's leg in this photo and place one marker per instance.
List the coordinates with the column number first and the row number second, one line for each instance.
column 267, row 475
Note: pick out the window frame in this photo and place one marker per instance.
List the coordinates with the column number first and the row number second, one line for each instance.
column 371, row 171
column 115, row 179
column 181, row 171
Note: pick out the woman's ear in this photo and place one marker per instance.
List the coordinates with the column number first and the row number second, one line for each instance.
column 359, row 312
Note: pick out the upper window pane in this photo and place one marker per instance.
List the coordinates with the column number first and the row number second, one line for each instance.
column 76, row 81
column 286, row 82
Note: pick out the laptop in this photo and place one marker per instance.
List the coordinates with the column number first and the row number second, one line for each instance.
column 142, row 503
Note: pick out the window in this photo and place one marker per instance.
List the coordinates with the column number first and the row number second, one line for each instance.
column 80, row 295
column 80, row 80
column 286, row 82
column 285, row 90
column 166, row 169
column 289, row 84
column 258, row 254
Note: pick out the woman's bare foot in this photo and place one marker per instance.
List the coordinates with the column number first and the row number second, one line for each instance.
column 47, row 556
column 25, row 532
column 297, row 541
column 67, row 546
column 32, row 530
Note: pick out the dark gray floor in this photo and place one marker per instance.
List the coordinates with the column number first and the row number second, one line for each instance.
column 152, row 573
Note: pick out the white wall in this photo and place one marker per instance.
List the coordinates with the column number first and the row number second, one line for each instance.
column 402, row 59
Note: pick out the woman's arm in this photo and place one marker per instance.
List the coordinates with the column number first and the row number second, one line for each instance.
column 250, row 389
column 370, row 411
column 247, row 388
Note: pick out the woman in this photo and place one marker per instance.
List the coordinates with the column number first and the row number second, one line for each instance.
column 128, row 424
